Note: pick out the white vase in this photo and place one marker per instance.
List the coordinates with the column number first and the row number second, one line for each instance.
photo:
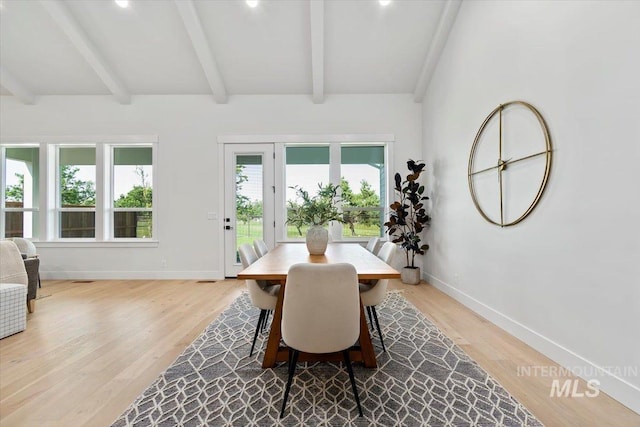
column 317, row 239
column 410, row 276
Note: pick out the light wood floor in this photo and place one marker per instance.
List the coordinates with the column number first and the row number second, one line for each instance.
column 91, row 348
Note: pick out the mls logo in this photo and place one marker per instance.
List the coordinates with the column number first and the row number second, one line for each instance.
column 570, row 388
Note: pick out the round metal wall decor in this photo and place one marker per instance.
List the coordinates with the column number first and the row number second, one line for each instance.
column 523, row 146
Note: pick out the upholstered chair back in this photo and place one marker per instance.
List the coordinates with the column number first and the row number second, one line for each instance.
column 261, row 248
column 372, row 243
column 25, row 246
column 321, row 308
column 11, row 264
column 247, row 255
column 387, row 251
column 374, row 295
column 261, row 296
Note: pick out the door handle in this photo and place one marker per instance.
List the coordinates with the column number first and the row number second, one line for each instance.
column 228, row 227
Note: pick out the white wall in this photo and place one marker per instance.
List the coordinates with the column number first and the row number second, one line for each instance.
column 567, row 279
column 188, row 185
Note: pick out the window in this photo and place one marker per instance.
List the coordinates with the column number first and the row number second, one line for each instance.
column 132, row 192
column 21, row 195
column 359, row 169
column 76, row 192
column 306, row 167
column 363, row 182
column 92, row 191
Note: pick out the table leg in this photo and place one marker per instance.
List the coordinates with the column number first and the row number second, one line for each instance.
column 273, row 344
column 366, row 346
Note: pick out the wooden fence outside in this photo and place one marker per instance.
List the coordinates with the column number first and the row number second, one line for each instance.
column 83, row 224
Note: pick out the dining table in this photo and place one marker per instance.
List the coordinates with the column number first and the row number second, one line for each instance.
column 274, row 266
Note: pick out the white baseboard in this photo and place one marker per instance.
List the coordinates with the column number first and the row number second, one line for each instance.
column 616, row 387
column 132, row 275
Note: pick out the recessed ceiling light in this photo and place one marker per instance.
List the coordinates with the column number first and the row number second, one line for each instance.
column 122, row 3
column 252, row 3
column 384, row 2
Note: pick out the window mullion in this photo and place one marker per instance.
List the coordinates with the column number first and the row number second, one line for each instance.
column 43, row 215
column 154, row 186
column 335, row 157
column 53, row 193
column 3, row 168
column 101, row 180
column 281, row 192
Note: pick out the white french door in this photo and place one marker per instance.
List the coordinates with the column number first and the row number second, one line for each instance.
column 249, row 199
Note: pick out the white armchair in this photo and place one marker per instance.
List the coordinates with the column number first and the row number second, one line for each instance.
column 13, row 290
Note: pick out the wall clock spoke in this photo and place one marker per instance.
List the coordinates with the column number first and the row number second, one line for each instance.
column 500, row 164
column 508, row 162
column 501, row 202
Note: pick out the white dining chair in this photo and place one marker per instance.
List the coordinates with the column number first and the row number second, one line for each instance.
column 372, row 294
column 320, row 314
column 264, row 298
column 372, row 243
column 261, row 247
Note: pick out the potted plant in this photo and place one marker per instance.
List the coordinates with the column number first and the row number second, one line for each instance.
column 316, row 212
column 408, row 218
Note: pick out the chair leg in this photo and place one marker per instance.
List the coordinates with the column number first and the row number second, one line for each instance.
column 266, row 318
column 347, row 362
column 375, row 316
column 370, row 318
column 257, row 330
column 292, row 369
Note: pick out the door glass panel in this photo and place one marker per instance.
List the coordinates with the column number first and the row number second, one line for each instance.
column 249, row 199
column 306, row 167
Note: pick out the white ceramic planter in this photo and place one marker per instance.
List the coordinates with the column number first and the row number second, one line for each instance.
column 410, row 276
column 317, row 240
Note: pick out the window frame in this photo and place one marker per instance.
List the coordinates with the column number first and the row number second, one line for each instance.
column 384, row 199
column 110, row 209
column 49, row 206
column 3, row 184
column 58, row 209
column 335, row 165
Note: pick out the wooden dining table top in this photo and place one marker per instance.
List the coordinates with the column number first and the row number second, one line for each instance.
column 275, row 264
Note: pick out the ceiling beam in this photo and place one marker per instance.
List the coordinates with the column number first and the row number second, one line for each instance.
column 17, row 89
column 68, row 24
column 439, row 40
column 317, row 49
column 192, row 23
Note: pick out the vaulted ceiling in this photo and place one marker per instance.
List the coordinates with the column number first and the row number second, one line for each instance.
column 221, row 48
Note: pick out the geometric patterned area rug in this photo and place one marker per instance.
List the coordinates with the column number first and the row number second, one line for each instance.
column 422, row 380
